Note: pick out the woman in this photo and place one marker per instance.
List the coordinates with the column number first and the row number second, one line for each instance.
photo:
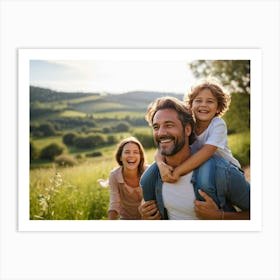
column 125, row 191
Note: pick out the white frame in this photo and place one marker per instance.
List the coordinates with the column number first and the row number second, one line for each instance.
column 24, row 57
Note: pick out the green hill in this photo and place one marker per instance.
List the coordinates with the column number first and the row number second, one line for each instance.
column 46, row 103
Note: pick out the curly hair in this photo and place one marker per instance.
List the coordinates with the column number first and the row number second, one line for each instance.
column 223, row 98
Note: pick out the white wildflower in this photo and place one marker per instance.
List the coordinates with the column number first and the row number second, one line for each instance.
column 103, row 183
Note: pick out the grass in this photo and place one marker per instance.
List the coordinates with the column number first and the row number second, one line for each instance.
column 73, row 193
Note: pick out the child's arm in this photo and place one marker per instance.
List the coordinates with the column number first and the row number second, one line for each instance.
column 194, row 161
column 164, row 169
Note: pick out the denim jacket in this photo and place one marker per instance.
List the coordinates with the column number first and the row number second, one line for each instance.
column 232, row 189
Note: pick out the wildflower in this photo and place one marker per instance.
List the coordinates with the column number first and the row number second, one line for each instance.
column 103, row 183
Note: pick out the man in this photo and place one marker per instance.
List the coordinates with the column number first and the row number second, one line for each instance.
column 173, row 127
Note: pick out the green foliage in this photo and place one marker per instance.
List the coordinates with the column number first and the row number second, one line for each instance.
column 90, row 141
column 238, row 117
column 71, row 193
column 233, row 74
column 112, row 139
column 94, row 154
column 122, row 127
column 74, row 122
column 34, row 152
column 240, row 147
column 69, row 138
column 51, row 151
column 38, row 94
column 146, row 140
column 65, row 160
column 42, row 130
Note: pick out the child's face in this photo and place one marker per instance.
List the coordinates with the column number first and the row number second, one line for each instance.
column 205, row 106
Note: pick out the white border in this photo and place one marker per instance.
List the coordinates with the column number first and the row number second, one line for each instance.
column 24, row 57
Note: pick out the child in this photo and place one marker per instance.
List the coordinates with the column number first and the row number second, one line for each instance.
column 208, row 102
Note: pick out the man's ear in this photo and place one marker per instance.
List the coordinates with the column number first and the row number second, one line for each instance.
column 188, row 130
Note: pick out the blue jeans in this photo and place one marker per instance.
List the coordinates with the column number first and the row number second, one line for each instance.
column 224, row 182
column 205, row 180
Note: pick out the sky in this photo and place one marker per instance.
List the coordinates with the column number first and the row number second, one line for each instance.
column 111, row 76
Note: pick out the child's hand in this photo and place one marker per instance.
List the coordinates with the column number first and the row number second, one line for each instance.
column 175, row 175
column 166, row 172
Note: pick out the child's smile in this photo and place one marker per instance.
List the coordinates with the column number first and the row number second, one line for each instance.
column 205, row 106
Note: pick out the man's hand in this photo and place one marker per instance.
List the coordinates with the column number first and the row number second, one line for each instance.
column 149, row 210
column 208, row 209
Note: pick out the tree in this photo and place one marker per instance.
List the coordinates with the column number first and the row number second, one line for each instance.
column 69, row 138
column 34, row 152
column 233, row 74
column 122, row 127
column 51, row 151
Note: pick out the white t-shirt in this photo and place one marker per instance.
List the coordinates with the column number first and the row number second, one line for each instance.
column 178, row 199
column 216, row 135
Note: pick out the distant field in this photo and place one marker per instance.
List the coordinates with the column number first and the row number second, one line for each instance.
column 93, row 107
column 72, row 113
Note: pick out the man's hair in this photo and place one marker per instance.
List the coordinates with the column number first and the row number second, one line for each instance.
column 172, row 103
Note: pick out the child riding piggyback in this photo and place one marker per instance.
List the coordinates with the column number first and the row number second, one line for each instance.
column 208, row 102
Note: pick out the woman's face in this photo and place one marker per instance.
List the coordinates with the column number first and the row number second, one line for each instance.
column 130, row 156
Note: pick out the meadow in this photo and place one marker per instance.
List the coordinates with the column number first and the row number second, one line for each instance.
column 63, row 192
column 74, row 193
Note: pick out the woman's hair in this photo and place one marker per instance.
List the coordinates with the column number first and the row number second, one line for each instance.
column 184, row 114
column 217, row 90
column 119, row 151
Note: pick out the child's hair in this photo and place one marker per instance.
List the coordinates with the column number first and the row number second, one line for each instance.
column 217, row 90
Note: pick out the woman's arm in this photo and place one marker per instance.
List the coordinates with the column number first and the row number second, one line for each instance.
column 115, row 199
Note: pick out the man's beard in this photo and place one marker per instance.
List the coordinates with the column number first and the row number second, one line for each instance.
column 171, row 151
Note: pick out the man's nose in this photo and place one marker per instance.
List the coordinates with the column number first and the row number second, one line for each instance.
column 162, row 131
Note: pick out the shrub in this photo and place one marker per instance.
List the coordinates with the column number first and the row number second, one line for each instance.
column 65, row 160
column 69, row 138
column 94, row 154
column 112, row 139
column 34, row 152
column 122, row 127
column 146, row 140
column 90, row 141
column 106, row 130
column 51, row 151
column 47, row 129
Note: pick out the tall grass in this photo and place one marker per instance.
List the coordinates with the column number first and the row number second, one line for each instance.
column 72, row 193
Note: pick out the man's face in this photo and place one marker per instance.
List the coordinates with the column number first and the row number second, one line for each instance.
column 168, row 132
